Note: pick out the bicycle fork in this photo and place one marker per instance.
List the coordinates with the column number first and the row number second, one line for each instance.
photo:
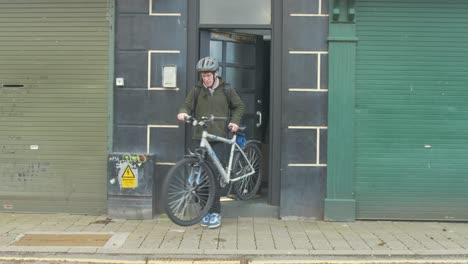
column 197, row 177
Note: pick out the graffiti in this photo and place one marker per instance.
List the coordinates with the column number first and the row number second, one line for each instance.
column 24, row 172
column 7, row 149
column 10, row 110
column 14, row 138
column 138, row 159
column 14, row 100
column 10, row 149
column 29, row 171
column 134, row 159
column 114, row 158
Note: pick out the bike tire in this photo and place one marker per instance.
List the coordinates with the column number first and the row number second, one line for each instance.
column 186, row 201
column 247, row 187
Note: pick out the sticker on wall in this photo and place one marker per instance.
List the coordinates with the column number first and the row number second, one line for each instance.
column 128, row 176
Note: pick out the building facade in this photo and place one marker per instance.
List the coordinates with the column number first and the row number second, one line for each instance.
column 359, row 105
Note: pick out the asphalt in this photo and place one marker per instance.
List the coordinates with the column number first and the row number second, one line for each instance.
column 241, row 236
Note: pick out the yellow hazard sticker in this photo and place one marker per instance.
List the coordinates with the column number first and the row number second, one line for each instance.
column 128, row 178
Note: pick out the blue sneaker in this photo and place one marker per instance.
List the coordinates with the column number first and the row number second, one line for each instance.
column 205, row 220
column 215, row 220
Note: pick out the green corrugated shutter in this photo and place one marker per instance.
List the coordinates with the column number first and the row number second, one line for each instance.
column 411, row 117
column 53, row 129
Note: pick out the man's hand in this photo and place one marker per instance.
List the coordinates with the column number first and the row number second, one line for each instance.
column 233, row 127
column 182, row 117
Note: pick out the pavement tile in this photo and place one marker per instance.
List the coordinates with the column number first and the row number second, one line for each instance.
column 112, row 226
column 299, row 238
column 390, row 241
column 209, row 238
column 336, row 240
column 75, row 250
column 408, row 241
column 265, row 244
column 355, row 241
column 93, row 228
column 443, row 240
column 426, row 241
column 191, row 237
column 136, row 238
column 280, row 234
column 245, row 233
column 263, row 234
column 134, row 241
column 155, row 238
column 6, row 229
column 261, row 227
column 316, row 238
column 228, row 234
column 457, row 238
column 6, row 218
column 7, row 239
column 128, row 226
column 246, row 236
column 172, row 238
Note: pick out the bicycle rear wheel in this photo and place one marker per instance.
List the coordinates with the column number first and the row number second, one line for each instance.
column 188, row 191
column 247, row 187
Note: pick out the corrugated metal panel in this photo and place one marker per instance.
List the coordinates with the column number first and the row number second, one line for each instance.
column 53, row 132
column 411, row 110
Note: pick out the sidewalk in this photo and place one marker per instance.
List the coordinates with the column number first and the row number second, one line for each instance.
column 240, row 237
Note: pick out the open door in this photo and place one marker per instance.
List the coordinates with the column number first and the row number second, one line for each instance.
column 241, row 59
column 244, row 60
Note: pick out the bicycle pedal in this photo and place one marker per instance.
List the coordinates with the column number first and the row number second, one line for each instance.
column 222, row 183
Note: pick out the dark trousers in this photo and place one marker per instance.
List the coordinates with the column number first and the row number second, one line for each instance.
column 220, row 150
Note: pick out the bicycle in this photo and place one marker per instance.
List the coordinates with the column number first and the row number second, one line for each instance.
column 189, row 187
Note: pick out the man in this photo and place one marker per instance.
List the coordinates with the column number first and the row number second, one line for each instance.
column 212, row 96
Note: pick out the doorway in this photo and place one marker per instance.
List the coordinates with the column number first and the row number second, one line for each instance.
column 244, row 58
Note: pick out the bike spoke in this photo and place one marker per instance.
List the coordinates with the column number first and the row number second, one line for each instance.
column 188, row 191
column 178, row 203
column 250, row 163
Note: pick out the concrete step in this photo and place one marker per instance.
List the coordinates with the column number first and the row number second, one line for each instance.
column 255, row 207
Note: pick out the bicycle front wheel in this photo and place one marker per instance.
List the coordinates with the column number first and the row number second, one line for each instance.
column 188, row 191
column 247, row 187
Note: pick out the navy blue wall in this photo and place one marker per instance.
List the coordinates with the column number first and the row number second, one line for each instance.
column 145, row 41
column 304, row 118
column 159, row 33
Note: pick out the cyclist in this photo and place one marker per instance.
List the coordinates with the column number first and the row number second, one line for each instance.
column 212, row 98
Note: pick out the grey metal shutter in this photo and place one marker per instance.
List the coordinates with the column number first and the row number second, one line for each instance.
column 411, row 117
column 53, row 105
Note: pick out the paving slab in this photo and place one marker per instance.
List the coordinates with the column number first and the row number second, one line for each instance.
column 243, row 236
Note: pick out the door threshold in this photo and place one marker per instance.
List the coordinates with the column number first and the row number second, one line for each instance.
column 255, row 207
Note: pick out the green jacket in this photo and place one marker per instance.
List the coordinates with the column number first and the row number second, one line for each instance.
column 217, row 105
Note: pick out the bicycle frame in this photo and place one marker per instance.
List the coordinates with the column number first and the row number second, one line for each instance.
column 226, row 174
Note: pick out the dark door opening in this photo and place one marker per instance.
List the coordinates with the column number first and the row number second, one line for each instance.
column 244, row 57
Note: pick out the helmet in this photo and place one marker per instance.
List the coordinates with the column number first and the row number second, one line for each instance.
column 207, row 64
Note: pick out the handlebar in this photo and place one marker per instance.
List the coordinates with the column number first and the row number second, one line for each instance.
column 203, row 120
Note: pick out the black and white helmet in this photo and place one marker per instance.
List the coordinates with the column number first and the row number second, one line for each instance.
column 207, row 64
